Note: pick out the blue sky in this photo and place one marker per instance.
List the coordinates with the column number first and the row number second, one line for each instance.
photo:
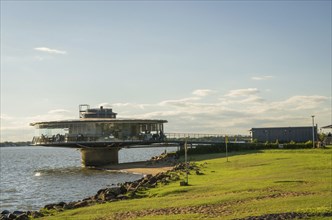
column 205, row 66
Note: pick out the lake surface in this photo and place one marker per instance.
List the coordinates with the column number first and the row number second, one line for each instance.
column 31, row 177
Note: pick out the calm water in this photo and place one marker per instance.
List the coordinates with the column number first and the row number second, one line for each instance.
column 31, row 177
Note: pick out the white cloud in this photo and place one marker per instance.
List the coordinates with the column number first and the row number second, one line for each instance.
column 49, row 50
column 259, row 78
column 202, row 92
column 252, row 99
column 247, row 110
column 15, row 129
column 58, row 111
column 120, row 105
column 236, row 112
column 242, row 92
column 299, row 102
column 179, row 102
column 5, row 117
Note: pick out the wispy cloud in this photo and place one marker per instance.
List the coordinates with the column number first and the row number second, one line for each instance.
column 59, row 111
column 18, row 129
column 252, row 99
column 234, row 112
column 5, row 117
column 242, row 92
column 49, row 50
column 299, row 102
column 126, row 104
column 202, row 92
column 179, row 102
column 258, row 78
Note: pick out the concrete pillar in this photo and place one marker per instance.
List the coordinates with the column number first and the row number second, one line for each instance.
column 98, row 156
column 181, row 145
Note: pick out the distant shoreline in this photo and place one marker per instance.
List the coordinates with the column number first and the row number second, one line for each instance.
column 15, row 144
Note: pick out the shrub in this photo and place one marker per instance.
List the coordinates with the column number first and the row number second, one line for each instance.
column 219, row 148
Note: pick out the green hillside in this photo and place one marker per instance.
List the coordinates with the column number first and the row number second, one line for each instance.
column 252, row 183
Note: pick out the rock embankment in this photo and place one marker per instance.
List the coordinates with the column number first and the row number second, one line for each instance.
column 127, row 190
column 165, row 158
column 19, row 215
column 123, row 191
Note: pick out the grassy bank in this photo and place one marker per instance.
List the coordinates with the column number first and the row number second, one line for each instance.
column 252, row 183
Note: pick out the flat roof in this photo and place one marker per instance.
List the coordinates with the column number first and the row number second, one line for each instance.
column 102, row 120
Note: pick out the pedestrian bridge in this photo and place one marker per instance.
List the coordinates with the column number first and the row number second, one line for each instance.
column 97, row 151
column 81, row 141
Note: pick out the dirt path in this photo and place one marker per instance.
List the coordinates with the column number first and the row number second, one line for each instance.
column 211, row 210
column 140, row 167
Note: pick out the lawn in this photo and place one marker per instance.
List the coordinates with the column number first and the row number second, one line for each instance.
column 252, row 183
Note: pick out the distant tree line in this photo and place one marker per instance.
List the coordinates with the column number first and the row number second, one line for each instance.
column 14, row 144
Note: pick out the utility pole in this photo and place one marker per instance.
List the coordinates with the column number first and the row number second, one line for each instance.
column 313, row 131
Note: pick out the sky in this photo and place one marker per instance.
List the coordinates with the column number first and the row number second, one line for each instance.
column 219, row 67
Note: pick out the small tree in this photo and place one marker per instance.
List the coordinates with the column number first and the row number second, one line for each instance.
column 308, row 143
column 321, row 136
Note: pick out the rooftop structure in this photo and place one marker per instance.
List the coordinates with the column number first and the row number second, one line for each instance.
column 86, row 112
column 98, row 131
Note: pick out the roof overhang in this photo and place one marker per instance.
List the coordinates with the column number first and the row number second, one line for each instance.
column 328, row 126
column 98, row 120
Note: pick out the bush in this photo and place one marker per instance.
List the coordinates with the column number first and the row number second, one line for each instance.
column 220, row 148
column 308, row 143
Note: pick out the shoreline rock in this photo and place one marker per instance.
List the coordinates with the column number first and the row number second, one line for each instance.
column 122, row 191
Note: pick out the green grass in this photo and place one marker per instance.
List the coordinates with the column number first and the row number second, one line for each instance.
column 252, row 183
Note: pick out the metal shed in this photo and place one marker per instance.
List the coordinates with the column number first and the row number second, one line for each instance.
column 283, row 134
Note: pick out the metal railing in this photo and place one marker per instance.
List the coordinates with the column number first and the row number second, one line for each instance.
column 146, row 138
column 59, row 139
column 194, row 137
column 328, row 140
column 206, row 138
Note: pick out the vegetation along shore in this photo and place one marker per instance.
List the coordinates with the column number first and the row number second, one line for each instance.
column 253, row 184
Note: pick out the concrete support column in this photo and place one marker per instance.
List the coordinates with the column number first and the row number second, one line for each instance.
column 181, row 145
column 99, row 156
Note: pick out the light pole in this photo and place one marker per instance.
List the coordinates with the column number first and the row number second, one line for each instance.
column 313, row 131
column 185, row 159
column 226, row 141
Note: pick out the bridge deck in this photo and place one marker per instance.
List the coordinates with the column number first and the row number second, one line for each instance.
column 170, row 139
column 126, row 144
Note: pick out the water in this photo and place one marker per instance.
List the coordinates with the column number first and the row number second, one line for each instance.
column 31, row 177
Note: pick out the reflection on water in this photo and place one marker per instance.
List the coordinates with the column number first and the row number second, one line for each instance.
column 34, row 176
